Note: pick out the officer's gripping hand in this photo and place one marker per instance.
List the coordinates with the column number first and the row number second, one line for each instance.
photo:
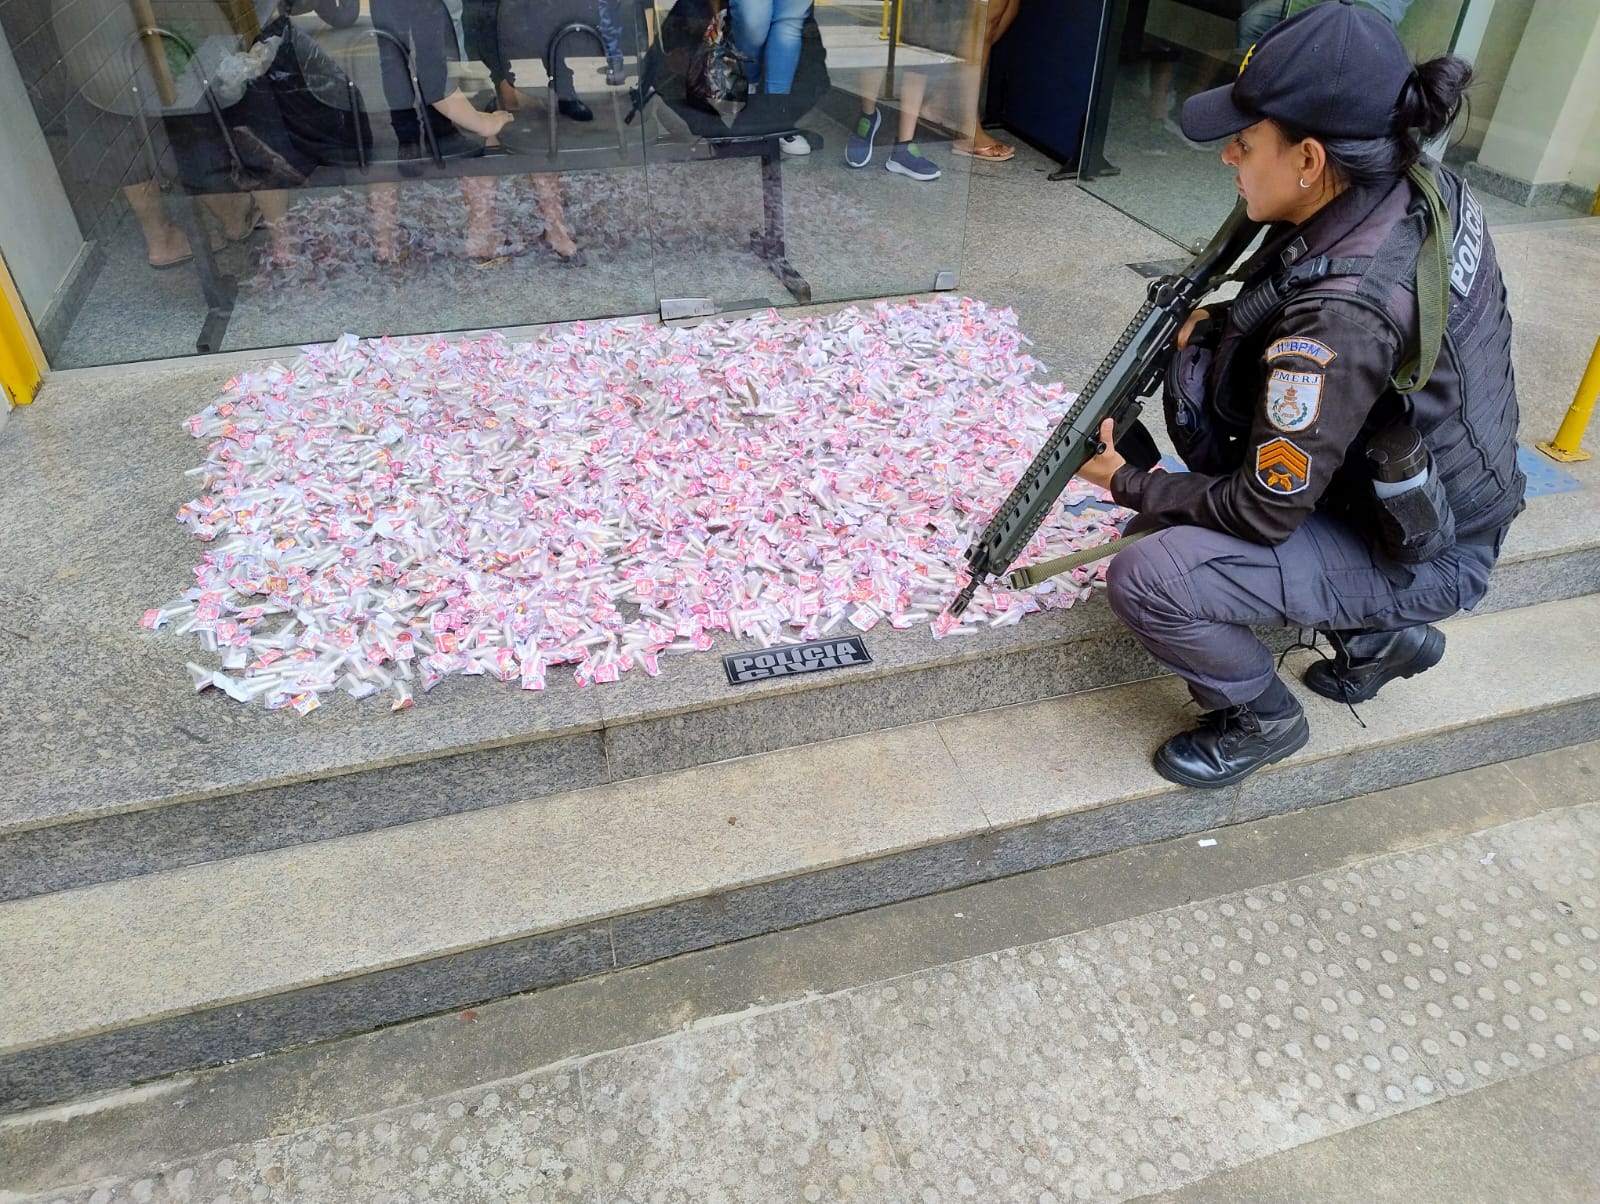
column 1199, row 316
column 1103, row 467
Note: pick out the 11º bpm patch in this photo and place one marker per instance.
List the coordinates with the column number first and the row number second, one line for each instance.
column 745, row 667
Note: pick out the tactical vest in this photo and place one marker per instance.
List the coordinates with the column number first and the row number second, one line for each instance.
column 1466, row 411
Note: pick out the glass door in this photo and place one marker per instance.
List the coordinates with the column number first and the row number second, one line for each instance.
column 1166, row 50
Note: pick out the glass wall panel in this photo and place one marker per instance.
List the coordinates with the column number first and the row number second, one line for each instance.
column 213, row 175
column 765, row 202
column 1519, row 122
column 252, row 176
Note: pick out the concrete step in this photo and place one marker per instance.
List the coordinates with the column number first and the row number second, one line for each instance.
column 276, row 781
column 130, row 980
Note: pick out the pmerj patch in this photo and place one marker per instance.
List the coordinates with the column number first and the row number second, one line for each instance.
column 1308, row 349
column 1282, row 467
column 1294, row 399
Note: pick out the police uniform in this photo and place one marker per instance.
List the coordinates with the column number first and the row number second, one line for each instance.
column 1274, row 524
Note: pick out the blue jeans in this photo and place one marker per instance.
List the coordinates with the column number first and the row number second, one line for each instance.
column 1256, row 19
column 769, row 32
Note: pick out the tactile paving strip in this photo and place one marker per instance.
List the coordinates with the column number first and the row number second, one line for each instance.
column 773, row 1107
column 1006, row 1078
column 1253, row 1022
column 1104, row 1065
column 519, row 1141
column 1477, row 966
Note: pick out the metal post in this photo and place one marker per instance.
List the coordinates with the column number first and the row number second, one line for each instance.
column 1564, row 446
column 894, row 40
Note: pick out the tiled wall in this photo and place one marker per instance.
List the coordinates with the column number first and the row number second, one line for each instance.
column 78, row 133
column 72, row 55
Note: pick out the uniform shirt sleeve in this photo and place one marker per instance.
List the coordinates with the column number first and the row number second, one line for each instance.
column 1326, row 363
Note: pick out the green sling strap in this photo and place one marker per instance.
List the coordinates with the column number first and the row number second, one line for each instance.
column 1433, row 284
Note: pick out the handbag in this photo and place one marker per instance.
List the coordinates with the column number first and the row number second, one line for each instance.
column 716, row 74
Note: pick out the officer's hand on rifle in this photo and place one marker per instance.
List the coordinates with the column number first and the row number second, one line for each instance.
column 1100, row 469
column 1199, row 316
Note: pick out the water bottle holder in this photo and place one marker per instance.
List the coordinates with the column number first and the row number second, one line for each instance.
column 1416, row 526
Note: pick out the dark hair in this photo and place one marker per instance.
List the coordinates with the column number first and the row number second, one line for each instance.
column 1427, row 106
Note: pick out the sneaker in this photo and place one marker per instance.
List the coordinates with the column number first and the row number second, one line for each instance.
column 794, row 144
column 907, row 160
column 1229, row 745
column 858, row 151
column 1365, row 661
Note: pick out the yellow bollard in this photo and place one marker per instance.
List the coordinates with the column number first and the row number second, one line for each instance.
column 1564, row 446
column 21, row 357
column 899, row 23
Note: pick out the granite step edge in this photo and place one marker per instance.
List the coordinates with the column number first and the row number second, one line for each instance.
column 592, row 942
column 46, row 797
column 439, row 985
column 43, row 797
column 86, row 848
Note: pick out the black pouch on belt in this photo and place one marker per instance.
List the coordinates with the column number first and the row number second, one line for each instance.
column 1415, row 523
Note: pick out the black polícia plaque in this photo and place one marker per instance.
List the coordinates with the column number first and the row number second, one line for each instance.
column 786, row 661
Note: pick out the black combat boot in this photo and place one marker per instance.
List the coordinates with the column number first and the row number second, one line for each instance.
column 1231, row 744
column 1365, row 660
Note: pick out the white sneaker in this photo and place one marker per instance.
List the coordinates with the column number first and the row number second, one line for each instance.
column 794, row 144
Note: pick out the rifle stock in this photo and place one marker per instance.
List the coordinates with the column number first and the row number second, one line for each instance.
column 1129, row 373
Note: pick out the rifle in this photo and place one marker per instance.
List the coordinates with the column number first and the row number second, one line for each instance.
column 1129, row 373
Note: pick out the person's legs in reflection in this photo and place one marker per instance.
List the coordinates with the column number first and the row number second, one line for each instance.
column 274, row 207
column 568, row 103
column 480, row 21
column 483, row 241
column 383, row 211
column 166, row 246
column 991, row 19
column 547, row 188
column 771, row 32
column 234, row 212
column 768, row 31
column 906, row 159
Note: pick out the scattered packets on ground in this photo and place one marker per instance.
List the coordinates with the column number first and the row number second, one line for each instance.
column 380, row 514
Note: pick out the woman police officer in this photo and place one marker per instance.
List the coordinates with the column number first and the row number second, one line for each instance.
column 1284, row 402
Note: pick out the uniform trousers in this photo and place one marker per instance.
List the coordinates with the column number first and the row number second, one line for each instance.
column 1191, row 596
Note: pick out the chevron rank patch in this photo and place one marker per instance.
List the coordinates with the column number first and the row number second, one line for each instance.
column 1282, row 467
column 1294, row 399
column 1304, row 348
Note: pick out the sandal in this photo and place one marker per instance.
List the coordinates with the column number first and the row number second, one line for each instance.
column 994, row 152
column 253, row 220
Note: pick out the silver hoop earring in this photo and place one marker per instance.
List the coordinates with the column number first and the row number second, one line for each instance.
column 1303, row 184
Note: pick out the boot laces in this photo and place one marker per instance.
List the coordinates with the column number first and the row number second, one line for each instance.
column 1338, row 674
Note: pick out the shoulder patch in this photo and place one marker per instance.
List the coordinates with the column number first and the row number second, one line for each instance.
column 1282, row 467
column 1294, row 399
column 1305, row 348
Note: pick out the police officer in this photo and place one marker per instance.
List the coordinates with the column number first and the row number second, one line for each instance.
column 1361, row 348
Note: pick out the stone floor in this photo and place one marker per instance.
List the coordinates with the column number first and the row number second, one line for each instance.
column 1426, row 944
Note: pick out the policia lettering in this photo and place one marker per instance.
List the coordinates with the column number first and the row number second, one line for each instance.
column 1467, row 249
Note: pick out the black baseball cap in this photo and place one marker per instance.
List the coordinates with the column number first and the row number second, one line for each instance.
column 1335, row 69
